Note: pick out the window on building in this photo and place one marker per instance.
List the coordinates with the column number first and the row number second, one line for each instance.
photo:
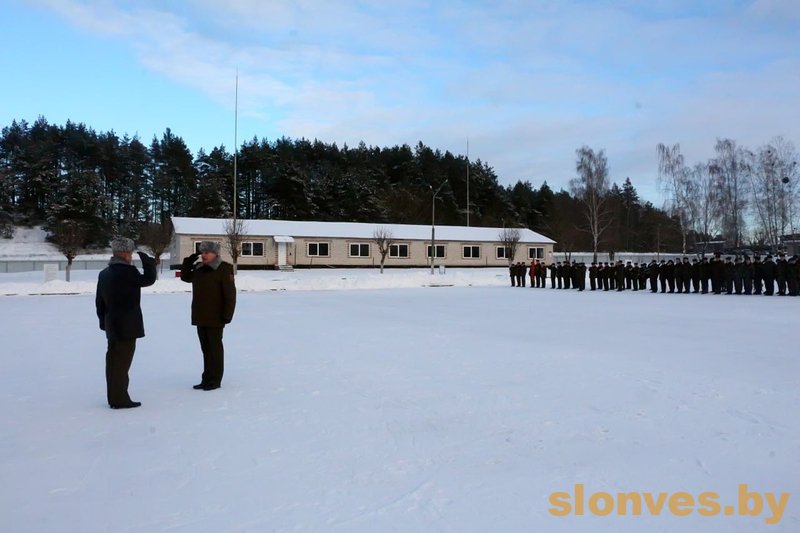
column 439, row 250
column 252, row 249
column 472, row 252
column 398, row 250
column 502, row 252
column 535, row 253
column 317, row 249
column 359, row 249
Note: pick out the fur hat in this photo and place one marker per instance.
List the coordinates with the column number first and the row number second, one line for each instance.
column 122, row 244
column 209, row 246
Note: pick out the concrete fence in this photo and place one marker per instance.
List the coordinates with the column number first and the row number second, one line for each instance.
column 11, row 266
column 633, row 257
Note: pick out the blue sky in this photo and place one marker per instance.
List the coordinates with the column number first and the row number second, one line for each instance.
column 527, row 82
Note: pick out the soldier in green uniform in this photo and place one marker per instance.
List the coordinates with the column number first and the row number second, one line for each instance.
column 213, row 304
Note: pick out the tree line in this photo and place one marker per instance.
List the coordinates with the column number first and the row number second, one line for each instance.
column 85, row 186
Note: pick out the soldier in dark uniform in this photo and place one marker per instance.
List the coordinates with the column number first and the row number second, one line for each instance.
column 768, row 269
column 678, row 269
column 705, row 275
column 532, row 273
column 747, row 282
column 580, row 276
column 686, row 273
column 628, row 271
column 780, row 273
column 560, row 274
column 553, row 274
column 695, row 270
column 652, row 271
column 738, row 275
column 606, row 276
column 635, row 276
column 758, row 274
column 611, row 275
column 669, row 272
column 619, row 276
column 567, row 275
column 512, row 272
column 793, row 283
column 593, row 276
column 521, row 274
column 728, row 274
column 662, row 275
column 575, row 271
column 643, row 270
column 717, row 274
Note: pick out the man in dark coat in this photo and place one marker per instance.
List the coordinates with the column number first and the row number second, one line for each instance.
column 669, row 273
column 738, row 275
column 728, row 275
column 652, row 272
column 781, row 273
column 705, row 275
column 695, row 275
column 532, row 271
column 768, row 272
column 748, row 276
column 677, row 271
column 792, row 282
column 619, row 276
column 117, row 302
column 758, row 275
column 717, row 274
column 213, row 303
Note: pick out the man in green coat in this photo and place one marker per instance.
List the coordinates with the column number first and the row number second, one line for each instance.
column 213, row 303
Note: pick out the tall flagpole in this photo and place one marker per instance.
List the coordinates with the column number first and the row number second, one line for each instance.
column 235, row 145
column 468, row 206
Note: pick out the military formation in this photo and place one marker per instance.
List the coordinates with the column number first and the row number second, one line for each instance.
column 744, row 275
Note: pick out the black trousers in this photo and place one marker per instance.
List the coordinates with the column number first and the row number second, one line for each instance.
column 213, row 354
column 119, row 357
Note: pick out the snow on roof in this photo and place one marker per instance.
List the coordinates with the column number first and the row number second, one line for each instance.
column 353, row 230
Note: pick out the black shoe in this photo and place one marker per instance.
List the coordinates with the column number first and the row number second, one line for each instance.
column 128, row 405
column 210, row 386
column 199, row 386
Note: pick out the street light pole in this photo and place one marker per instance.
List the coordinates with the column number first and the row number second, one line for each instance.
column 433, row 224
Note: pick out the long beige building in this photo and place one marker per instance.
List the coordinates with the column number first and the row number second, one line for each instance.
column 301, row 244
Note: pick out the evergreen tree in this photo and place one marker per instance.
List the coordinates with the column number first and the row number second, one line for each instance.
column 213, row 171
column 173, row 180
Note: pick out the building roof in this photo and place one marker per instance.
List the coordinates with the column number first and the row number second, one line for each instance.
column 351, row 230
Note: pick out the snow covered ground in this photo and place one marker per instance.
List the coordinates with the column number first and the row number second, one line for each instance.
column 457, row 408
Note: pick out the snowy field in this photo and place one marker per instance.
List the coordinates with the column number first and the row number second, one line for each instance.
column 398, row 407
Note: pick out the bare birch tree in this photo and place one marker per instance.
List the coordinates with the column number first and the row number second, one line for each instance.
column 591, row 188
column 68, row 236
column 730, row 170
column 676, row 183
column 235, row 232
column 383, row 239
column 704, row 203
column 157, row 236
column 772, row 177
column 509, row 238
